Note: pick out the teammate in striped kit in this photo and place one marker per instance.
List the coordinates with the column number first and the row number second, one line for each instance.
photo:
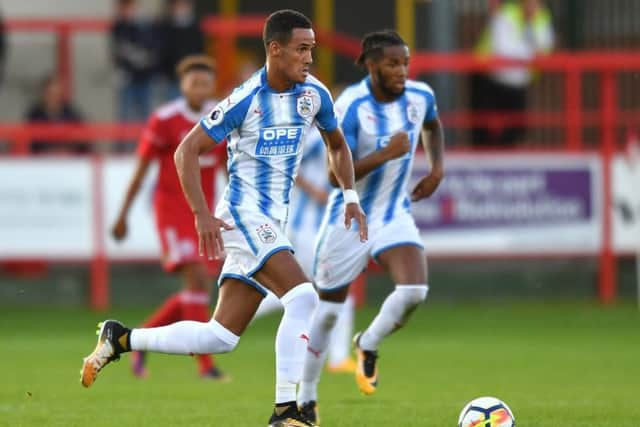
column 382, row 118
column 308, row 203
column 265, row 121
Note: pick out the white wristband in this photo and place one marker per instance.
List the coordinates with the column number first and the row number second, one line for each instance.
column 350, row 196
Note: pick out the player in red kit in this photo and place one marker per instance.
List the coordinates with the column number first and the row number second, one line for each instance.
column 174, row 220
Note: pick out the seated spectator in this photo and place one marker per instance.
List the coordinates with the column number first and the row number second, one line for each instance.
column 53, row 107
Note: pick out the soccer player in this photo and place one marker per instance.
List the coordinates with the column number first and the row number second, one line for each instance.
column 265, row 121
column 178, row 237
column 382, row 118
column 307, row 206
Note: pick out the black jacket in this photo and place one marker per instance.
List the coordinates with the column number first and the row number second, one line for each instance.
column 176, row 42
column 134, row 49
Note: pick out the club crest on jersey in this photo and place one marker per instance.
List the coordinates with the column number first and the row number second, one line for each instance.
column 413, row 114
column 305, row 105
column 266, row 233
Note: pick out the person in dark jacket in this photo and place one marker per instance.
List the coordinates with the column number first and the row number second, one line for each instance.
column 180, row 35
column 3, row 48
column 133, row 49
column 53, row 107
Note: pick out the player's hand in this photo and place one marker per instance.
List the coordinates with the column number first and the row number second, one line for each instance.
column 353, row 211
column 398, row 146
column 210, row 242
column 119, row 229
column 426, row 187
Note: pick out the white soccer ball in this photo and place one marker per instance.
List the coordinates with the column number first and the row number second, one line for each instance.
column 486, row 412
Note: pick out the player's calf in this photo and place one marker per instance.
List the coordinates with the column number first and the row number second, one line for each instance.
column 393, row 314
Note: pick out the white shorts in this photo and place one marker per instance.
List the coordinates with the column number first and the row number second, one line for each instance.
column 304, row 241
column 340, row 256
column 254, row 239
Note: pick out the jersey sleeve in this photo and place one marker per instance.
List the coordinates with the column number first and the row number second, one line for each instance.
column 347, row 114
column 326, row 116
column 153, row 141
column 432, row 107
column 225, row 117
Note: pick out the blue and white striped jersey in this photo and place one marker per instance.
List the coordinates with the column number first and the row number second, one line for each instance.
column 265, row 133
column 306, row 212
column 368, row 126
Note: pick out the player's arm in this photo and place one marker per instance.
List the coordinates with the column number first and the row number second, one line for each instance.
column 186, row 156
column 341, row 166
column 398, row 146
column 119, row 229
column 433, row 141
column 151, row 144
column 317, row 193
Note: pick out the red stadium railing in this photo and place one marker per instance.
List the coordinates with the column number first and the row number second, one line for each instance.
column 573, row 117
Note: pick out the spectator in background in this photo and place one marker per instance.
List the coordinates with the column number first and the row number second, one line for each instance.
column 134, row 53
column 3, row 48
column 519, row 29
column 180, row 36
column 53, row 107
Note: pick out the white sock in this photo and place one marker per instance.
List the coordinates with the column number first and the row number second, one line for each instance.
column 395, row 311
column 323, row 322
column 292, row 338
column 186, row 337
column 340, row 344
column 268, row 305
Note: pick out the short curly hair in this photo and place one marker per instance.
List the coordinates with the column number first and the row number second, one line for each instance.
column 373, row 44
column 195, row 62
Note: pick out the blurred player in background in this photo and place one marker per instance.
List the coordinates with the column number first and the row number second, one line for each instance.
column 174, row 220
column 265, row 121
column 308, row 202
column 382, row 118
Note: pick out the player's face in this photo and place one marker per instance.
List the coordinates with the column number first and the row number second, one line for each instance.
column 392, row 69
column 197, row 87
column 295, row 58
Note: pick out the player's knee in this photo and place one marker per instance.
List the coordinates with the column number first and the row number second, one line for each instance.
column 327, row 314
column 303, row 295
column 219, row 339
column 413, row 295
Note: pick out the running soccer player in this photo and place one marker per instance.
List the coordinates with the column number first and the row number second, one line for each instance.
column 178, row 237
column 308, row 202
column 265, row 121
column 382, row 118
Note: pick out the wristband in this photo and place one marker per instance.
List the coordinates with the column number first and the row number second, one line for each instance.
column 350, row 196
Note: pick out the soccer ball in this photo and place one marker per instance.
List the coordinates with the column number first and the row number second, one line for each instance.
column 486, row 412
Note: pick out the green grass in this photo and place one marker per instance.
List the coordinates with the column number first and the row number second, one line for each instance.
column 556, row 365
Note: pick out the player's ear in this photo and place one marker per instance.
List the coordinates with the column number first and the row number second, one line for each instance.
column 371, row 64
column 274, row 48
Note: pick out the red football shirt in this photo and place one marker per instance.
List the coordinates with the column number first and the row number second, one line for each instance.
column 163, row 133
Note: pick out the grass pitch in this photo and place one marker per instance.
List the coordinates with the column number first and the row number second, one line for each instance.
column 556, row 365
